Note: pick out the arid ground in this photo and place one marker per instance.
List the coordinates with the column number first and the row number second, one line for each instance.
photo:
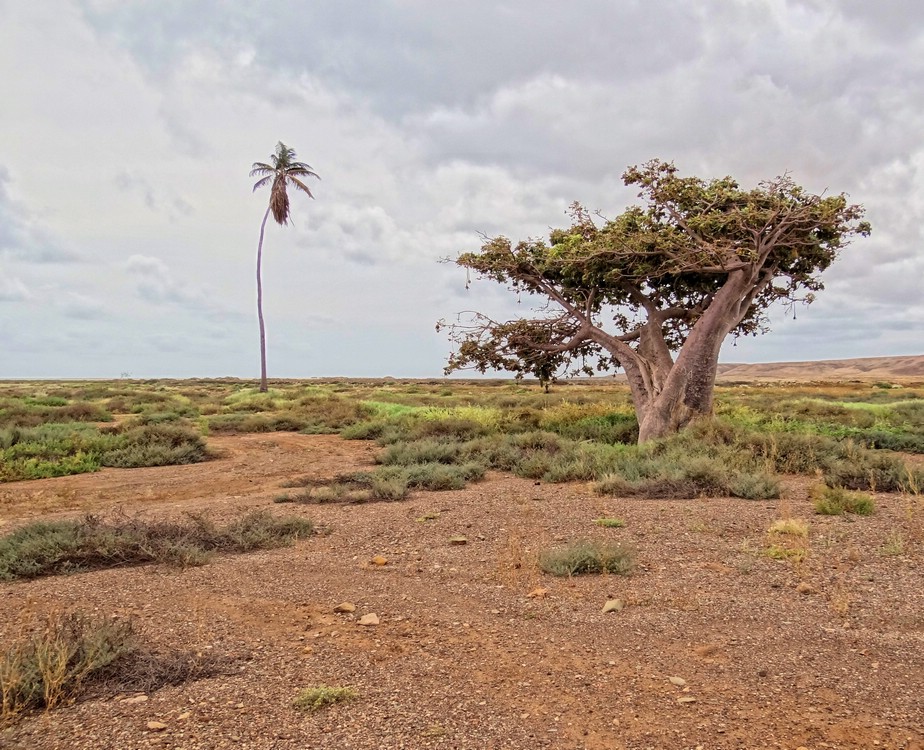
column 716, row 645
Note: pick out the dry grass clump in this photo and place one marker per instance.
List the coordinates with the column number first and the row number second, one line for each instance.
column 55, row 547
column 68, row 656
column 790, row 527
column 587, row 556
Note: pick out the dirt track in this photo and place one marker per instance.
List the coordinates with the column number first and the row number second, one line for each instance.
column 464, row 655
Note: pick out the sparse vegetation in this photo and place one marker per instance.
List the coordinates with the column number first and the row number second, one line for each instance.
column 321, row 696
column 435, row 437
column 587, row 556
column 610, row 523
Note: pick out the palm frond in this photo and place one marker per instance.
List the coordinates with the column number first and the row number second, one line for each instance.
column 261, row 182
column 260, row 168
column 300, row 185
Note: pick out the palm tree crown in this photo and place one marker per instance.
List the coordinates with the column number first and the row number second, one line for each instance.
column 284, row 171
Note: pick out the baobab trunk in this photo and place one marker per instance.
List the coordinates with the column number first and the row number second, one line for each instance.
column 688, row 384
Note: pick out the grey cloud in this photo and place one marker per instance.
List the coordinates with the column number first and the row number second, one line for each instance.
column 155, row 283
column 13, row 289
column 405, row 56
column 154, row 199
column 22, row 236
column 82, row 307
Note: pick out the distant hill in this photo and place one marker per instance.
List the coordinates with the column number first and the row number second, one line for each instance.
column 868, row 368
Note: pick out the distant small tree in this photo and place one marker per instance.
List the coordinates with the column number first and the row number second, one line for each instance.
column 283, row 171
column 518, row 346
column 699, row 261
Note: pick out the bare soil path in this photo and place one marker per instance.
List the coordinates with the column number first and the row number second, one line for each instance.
column 475, row 647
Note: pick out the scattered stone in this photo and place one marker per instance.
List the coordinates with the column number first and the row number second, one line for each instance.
column 686, row 699
column 539, row 593
column 805, row 588
column 379, row 560
column 184, row 715
column 371, row 619
column 136, row 699
column 345, row 607
column 458, row 540
column 678, row 681
column 157, row 726
column 613, row 605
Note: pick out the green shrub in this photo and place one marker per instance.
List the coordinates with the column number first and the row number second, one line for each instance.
column 316, row 698
column 756, row 486
column 156, row 445
column 425, row 451
column 836, row 501
column 610, row 523
column 585, row 556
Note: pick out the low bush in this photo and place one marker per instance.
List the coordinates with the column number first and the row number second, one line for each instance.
column 836, row 501
column 56, row 547
column 586, row 556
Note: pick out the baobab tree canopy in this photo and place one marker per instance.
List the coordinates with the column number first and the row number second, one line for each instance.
column 657, row 289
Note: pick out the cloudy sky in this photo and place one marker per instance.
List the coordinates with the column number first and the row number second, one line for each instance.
column 128, row 228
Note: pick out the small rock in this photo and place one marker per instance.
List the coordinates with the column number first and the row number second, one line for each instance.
column 538, row 593
column 371, row 619
column 345, row 607
column 458, row 540
column 136, row 699
column 678, row 681
column 613, row 605
column 157, row 726
column 379, row 560
column 184, row 715
column 686, row 699
column 805, row 588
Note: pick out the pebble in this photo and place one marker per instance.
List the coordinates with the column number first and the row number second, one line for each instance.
column 345, row 607
column 537, row 593
column 458, row 540
column 686, row 699
column 678, row 681
column 371, row 619
column 136, row 699
column 379, row 560
column 613, row 605
column 805, row 588
column 157, row 726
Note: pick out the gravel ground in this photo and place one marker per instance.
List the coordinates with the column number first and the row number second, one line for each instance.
column 475, row 647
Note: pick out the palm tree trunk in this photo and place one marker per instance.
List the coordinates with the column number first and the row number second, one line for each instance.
column 260, row 304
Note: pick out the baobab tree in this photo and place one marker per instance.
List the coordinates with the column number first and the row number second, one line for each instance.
column 657, row 290
column 282, row 172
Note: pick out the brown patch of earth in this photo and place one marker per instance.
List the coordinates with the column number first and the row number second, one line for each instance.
column 463, row 656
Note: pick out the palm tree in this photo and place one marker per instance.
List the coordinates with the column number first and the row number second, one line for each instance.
column 283, row 171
